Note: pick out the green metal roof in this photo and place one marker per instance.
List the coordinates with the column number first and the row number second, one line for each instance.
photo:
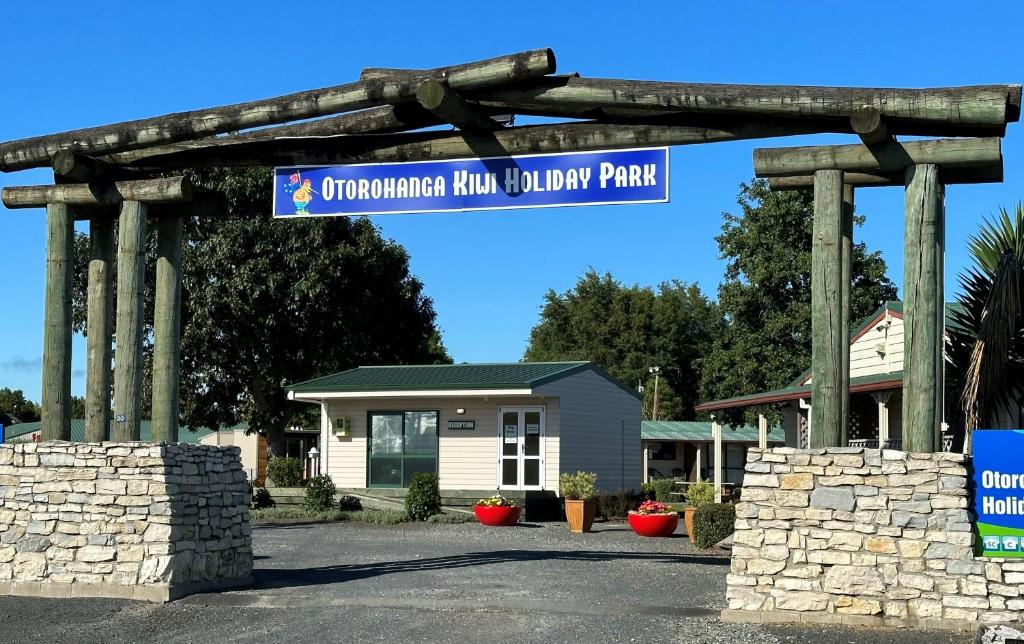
column 792, row 392
column 442, row 377
column 185, row 434
column 700, row 430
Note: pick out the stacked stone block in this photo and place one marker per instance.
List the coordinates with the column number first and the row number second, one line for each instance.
column 134, row 520
column 874, row 537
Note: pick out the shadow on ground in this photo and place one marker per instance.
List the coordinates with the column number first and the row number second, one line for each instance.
column 291, row 577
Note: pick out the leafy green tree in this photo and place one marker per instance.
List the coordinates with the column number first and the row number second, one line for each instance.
column 628, row 329
column 986, row 345
column 766, row 294
column 266, row 302
column 14, row 403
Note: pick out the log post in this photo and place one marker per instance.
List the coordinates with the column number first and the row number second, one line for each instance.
column 166, row 327
column 847, row 278
column 867, row 122
column 56, row 394
column 436, row 97
column 99, row 330
column 828, row 384
column 128, row 366
column 922, row 308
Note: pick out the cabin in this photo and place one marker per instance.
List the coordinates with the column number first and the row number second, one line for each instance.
column 685, row 450
column 508, row 428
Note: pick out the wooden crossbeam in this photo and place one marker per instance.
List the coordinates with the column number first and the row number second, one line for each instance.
column 944, row 111
column 992, row 173
column 38, row 151
column 948, row 153
column 421, row 146
column 73, row 167
column 446, row 104
column 166, row 190
column 867, row 122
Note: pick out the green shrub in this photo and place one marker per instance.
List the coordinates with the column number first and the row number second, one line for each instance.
column 647, row 491
column 284, row 471
column 320, row 493
column 451, row 518
column 581, row 485
column 663, row 489
column 271, row 514
column 260, row 498
column 384, row 517
column 700, row 494
column 423, row 499
column 617, row 505
column 713, row 522
column 350, row 503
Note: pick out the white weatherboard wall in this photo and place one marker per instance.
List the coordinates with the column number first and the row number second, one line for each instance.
column 600, row 429
column 467, row 459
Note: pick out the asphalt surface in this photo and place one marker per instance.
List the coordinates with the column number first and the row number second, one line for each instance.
column 348, row 582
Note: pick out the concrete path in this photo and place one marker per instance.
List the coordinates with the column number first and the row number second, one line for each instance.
column 458, row 583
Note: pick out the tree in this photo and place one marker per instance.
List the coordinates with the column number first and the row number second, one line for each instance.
column 626, row 330
column 267, row 302
column 766, row 294
column 986, row 339
column 14, row 403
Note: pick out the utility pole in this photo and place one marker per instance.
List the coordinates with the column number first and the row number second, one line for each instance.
column 656, row 371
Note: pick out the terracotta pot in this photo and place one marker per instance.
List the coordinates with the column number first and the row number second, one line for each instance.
column 688, row 513
column 580, row 514
column 497, row 515
column 654, row 525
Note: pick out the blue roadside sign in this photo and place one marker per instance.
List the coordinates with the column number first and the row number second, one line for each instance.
column 999, row 491
column 496, row 183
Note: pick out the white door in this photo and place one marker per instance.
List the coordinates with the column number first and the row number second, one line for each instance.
column 521, row 448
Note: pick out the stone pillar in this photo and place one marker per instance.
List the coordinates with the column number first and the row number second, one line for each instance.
column 922, row 309
column 56, row 394
column 829, row 385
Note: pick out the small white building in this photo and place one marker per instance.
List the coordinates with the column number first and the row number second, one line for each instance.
column 482, row 428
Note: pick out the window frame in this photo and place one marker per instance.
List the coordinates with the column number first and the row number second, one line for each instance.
column 402, row 456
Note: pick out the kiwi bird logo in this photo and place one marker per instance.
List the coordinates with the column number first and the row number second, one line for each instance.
column 301, row 191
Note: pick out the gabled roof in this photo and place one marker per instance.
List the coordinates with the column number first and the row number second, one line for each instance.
column 698, row 430
column 185, row 434
column 450, row 377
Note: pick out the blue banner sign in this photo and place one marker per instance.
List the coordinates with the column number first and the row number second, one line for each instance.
column 999, row 491
column 529, row 181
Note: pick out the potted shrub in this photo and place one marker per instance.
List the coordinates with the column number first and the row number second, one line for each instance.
column 579, row 490
column 654, row 519
column 497, row 511
column 697, row 495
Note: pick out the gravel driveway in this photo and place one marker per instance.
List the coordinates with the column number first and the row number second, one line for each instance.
column 456, row 583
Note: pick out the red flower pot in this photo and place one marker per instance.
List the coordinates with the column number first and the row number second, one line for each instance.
column 654, row 525
column 496, row 515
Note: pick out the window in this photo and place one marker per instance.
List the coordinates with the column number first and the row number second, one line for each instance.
column 665, row 451
column 401, row 444
column 732, row 465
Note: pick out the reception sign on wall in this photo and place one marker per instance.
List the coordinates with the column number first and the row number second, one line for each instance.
column 496, row 183
column 999, row 491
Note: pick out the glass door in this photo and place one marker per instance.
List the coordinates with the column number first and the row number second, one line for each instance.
column 521, row 448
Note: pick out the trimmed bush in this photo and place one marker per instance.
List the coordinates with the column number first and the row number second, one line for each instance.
column 320, row 493
column 617, row 505
column 424, row 498
column 712, row 523
column 350, row 503
column 284, row 471
column 663, row 489
column 451, row 518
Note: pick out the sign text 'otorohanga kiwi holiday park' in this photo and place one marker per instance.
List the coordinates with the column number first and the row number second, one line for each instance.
column 497, row 183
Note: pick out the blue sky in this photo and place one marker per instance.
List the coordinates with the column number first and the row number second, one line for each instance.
column 488, row 272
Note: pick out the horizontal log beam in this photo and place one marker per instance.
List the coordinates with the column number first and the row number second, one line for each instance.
column 72, row 167
column 894, row 157
column 445, row 103
column 167, row 190
column 867, row 122
column 945, row 111
column 979, row 174
column 420, row 146
column 38, row 151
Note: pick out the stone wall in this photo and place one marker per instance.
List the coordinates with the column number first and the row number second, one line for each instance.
column 133, row 520
column 870, row 537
